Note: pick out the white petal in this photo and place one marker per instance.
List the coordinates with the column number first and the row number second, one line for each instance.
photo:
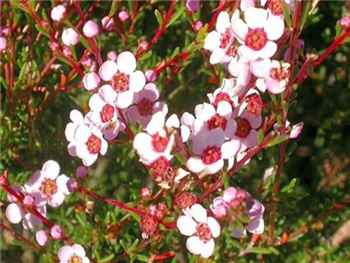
column 217, row 56
column 195, row 165
column 89, row 159
column 274, row 27
column 194, row 245
column 256, row 226
column 255, row 17
column 240, row 29
column 204, row 111
column 56, row 200
column 124, row 99
column 108, row 93
column 222, row 22
column 230, row 149
column 76, row 116
column 261, row 68
column 126, row 62
column 104, row 146
column 186, row 225
column 62, row 184
column 14, row 213
column 107, row 70
column 137, row 81
column 207, row 248
column 268, row 51
column 96, row 103
column 247, row 53
column 82, row 133
column 156, row 123
column 212, row 41
column 214, row 227
column 51, row 169
column 214, row 167
column 224, row 109
column 199, row 213
column 172, row 122
column 78, row 249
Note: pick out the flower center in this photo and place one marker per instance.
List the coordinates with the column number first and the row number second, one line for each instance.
column 243, row 128
column 75, row 259
column 255, row 104
column 217, row 121
column 159, row 143
column 145, row 107
column 231, row 51
column 48, row 187
column 203, row 232
column 107, row 113
column 211, row 154
column 185, row 199
column 226, row 38
column 149, row 225
column 256, row 38
column 94, row 144
column 279, row 73
column 159, row 168
column 276, row 7
column 120, row 82
column 222, row 96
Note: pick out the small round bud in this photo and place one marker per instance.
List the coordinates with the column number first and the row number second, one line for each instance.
column 57, row 13
column 107, row 23
column 90, row 29
column 151, row 75
column 70, row 37
column 41, row 237
column 3, row 43
column 56, row 232
column 91, row 81
column 123, row 15
column 112, row 55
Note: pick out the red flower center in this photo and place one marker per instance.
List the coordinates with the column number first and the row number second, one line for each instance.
column 120, row 82
column 107, row 113
column 217, row 121
column 159, row 143
column 256, row 38
column 145, row 107
column 279, row 73
column 75, row 259
column 231, row 51
column 203, row 232
column 222, row 96
column 48, row 187
column 243, row 128
column 94, row 144
column 159, row 169
column 149, row 225
column 185, row 199
column 211, row 154
column 255, row 104
column 226, row 38
column 276, row 7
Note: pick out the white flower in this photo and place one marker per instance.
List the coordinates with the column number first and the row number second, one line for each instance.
column 200, row 229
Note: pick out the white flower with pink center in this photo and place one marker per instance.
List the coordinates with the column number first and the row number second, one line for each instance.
column 145, row 105
column 209, row 151
column 225, row 94
column 49, row 184
column 154, row 142
column 103, row 113
column 85, row 140
column 200, row 229
column 123, row 78
column 72, row 254
column 272, row 75
column 257, row 33
column 222, row 42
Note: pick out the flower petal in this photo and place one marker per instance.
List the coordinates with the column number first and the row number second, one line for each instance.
column 14, row 213
column 214, row 227
column 107, row 70
column 137, row 81
column 255, row 17
column 51, row 169
column 274, row 27
column 186, row 225
column 223, row 22
column 194, row 245
column 126, row 62
column 207, row 248
column 212, row 41
column 199, row 213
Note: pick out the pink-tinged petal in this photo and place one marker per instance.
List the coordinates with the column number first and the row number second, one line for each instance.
column 214, row 167
column 126, row 62
column 96, row 103
column 137, row 81
column 230, row 149
column 76, row 116
column 142, row 142
column 207, row 248
column 62, row 184
column 104, row 147
column 124, row 99
column 212, row 41
column 64, row 253
column 187, row 119
column 245, row 4
column 172, row 122
column 248, row 54
column 275, row 86
column 255, row 121
column 14, row 213
column 89, row 159
column 251, row 140
column 240, row 29
column 72, row 149
column 70, row 131
column 214, row 227
column 56, row 200
column 239, row 233
column 195, row 165
column 204, row 111
column 215, row 137
column 255, row 17
column 223, row 22
column 229, row 194
column 224, row 109
column 256, row 226
column 261, row 68
column 56, row 232
column 108, row 93
column 263, row 2
column 194, row 245
column 261, row 84
column 78, row 249
column 186, row 225
column 217, row 56
column 91, row 81
column 268, row 51
column 41, row 237
column 199, row 213
column 51, row 169
column 231, row 127
column 274, row 27
column 185, row 133
column 156, row 123
column 107, row 70
column 296, row 130
column 218, row 208
column 82, row 133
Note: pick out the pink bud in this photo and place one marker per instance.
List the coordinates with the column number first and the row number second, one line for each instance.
column 72, row 185
column 28, row 200
column 296, row 130
column 197, row 25
column 67, row 51
column 56, row 232
column 41, row 237
column 90, row 29
column 14, row 213
column 81, row 171
column 107, row 23
column 145, row 192
column 70, row 37
column 2, row 43
column 57, row 13
column 143, row 44
column 112, row 55
column 91, row 81
column 123, row 15
column 151, row 75
column 345, row 22
column 230, row 194
column 193, row 5
column 219, row 208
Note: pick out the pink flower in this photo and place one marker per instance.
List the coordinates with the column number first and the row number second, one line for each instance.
column 85, row 140
column 70, row 37
column 57, row 13
column 193, row 5
column 225, row 94
column 222, row 42
column 41, row 237
column 90, row 29
column 296, row 130
column 200, row 229
column 123, row 15
column 2, row 43
column 219, row 207
column 257, row 33
column 345, row 22
column 103, row 113
column 70, row 254
column 272, row 75
column 49, row 184
column 91, row 81
column 123, row 78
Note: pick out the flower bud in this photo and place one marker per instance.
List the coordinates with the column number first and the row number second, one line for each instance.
column 81, row 171
column 107, row 23
column 70, row 37
column 90, row 29
column 112, row 55
column 56, row 232
column 193, row 5
column 345, row 22
column 151, row 75
column 41, row 237
column 2, row 43
column 57, row 13
column 123, row 15
column 91, row 81
column 197, row 25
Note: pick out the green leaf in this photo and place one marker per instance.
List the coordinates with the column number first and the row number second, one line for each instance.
column 279, row 139
column 263, row 250
column 178, row 14
column 158, row 16
column 290, row 187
